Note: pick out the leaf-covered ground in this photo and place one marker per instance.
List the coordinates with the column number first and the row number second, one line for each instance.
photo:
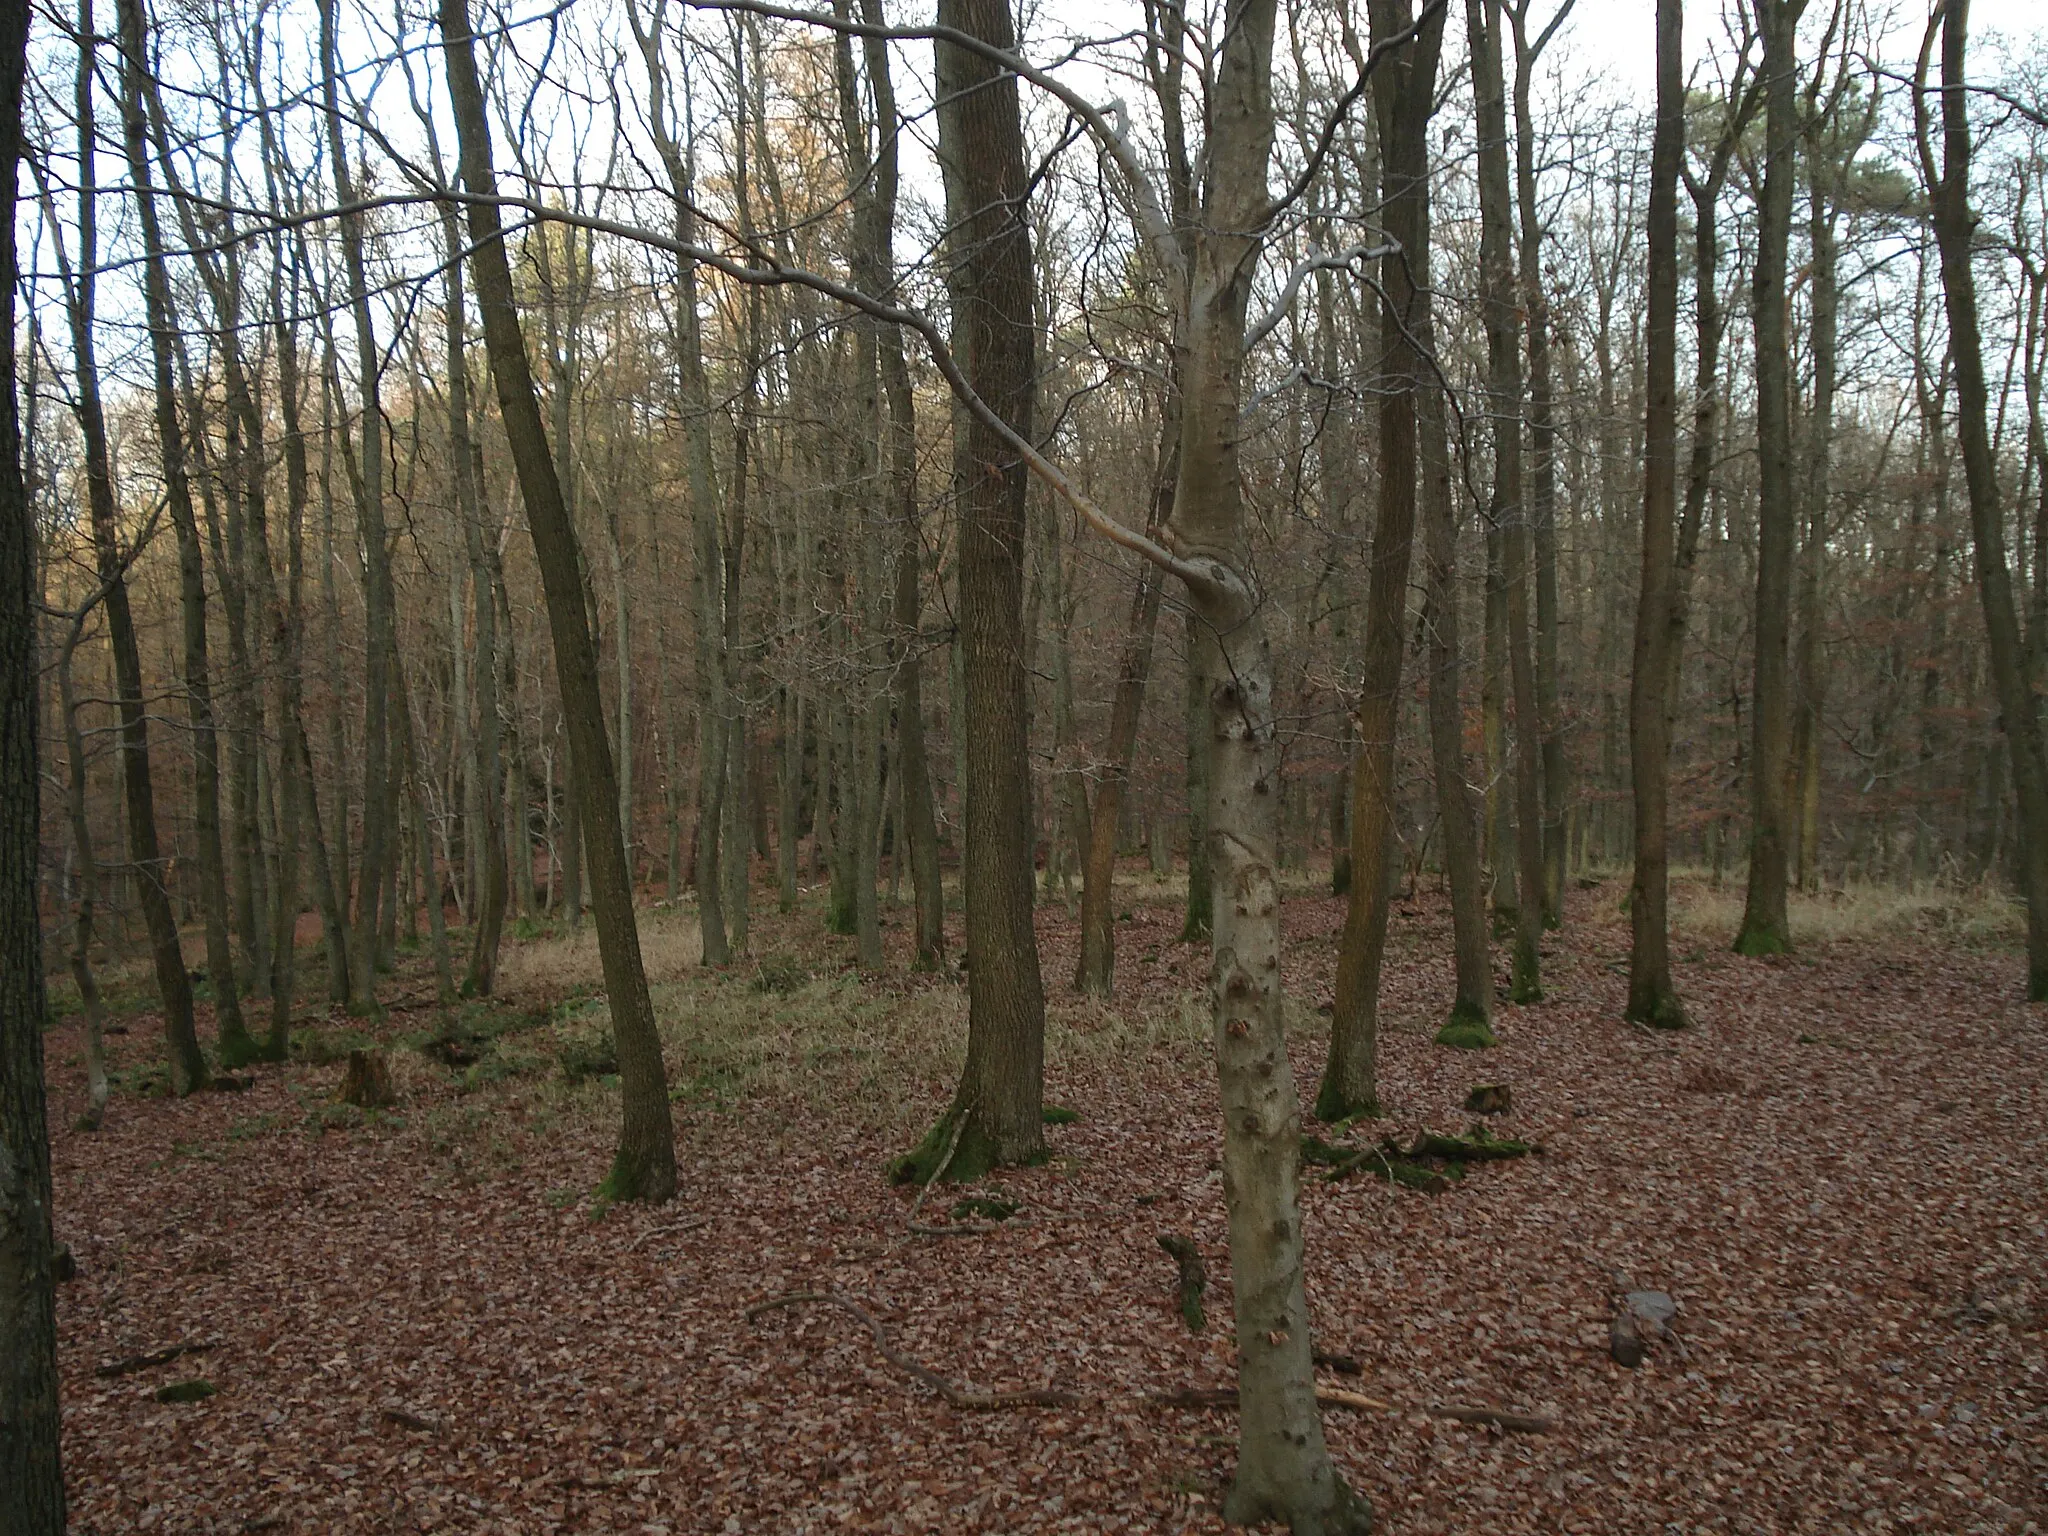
column 419, row 1321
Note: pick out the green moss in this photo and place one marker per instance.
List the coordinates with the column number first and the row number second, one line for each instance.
column 1759, row 943
column 1525, row 983
column 985, row 1207
column 1053, row 1114
column 958, row 1158
column 1467, row 1034
column 197, row 1390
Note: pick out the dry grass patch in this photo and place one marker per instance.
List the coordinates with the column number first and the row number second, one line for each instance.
column 1970, row 915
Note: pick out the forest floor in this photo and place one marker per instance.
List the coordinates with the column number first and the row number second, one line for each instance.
column 422, row 1320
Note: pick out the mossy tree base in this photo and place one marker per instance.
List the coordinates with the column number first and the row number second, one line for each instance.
column 956, row 1150
column 1336, row 1107
column 238, row 1048
column 1761, row 943
column 1467, row 1034
column 1347, row 1514
column 1525, row 976
column 1662, row 1011
column 2037, row 983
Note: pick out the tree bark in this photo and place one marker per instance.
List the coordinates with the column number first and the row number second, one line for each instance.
column 990, row 277
column 1511, row 513
column 1954, row 224
column 174, row 984
column 31, row 1475
column 1652, row 995
column 1765, row 925
column 1404, row 96
column 644, row 1167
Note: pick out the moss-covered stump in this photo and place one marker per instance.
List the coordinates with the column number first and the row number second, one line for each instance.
column 367, row 1083
column 197, row 1390
column 1490, row 1099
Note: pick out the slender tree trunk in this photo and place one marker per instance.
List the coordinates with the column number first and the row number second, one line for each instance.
column 1096, row 969
column 1470, row 1021
column 236, row 1045
column 1543, row 467
column 85, row 910
column 1765, row 926
column 1404, row 98
column 1510, row 507
column 645, row 1165
column 1652, row 995
column 174, row 983
column 1953, row 226
column 1202, row 662
column 1812, row 678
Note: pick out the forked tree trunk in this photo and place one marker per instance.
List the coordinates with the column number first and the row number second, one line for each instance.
column 1403, row 97
column 1652, row 995
column 1953, row 226
column 1766, row 926
column 645, row 1165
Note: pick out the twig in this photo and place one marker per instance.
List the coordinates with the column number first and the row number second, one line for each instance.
column 939, row 1172
column 392, row 1413
column 955, row 1396
column 1226, row 1397
column 155, row 1357
column 953, row 1229
column 690, row 1224
column 1520, row 1423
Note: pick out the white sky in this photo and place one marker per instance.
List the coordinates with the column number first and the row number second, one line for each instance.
column 1616, row 38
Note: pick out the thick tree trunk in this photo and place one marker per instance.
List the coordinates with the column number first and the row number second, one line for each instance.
column 1403, row 98
column 1766, row 928
column 645, row 1165
column 31, row 1476
column 1953, row 226
column 1652, row 996
column 981, row 150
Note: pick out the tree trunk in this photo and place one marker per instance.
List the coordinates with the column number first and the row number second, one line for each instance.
column 1953, row 225
column 367, row 482
column 1404, row 96
column 1510, row 508
column 174, row 984
column 981, row 151
column 645, row 1165
column 1652, row 995
column 236, row 1045
column 31, row 1476
column 1765, row 926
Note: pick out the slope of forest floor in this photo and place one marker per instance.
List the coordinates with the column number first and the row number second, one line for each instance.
column 420, row 1320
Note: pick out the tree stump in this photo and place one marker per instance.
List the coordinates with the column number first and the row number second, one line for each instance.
column 367, row 1084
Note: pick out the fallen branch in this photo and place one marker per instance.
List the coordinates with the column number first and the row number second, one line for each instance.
column 953, row 1229
column 953, row 1395
column 674, row 1229
column 155, row 1357
column 391, row 1413
column 1519, row 1423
